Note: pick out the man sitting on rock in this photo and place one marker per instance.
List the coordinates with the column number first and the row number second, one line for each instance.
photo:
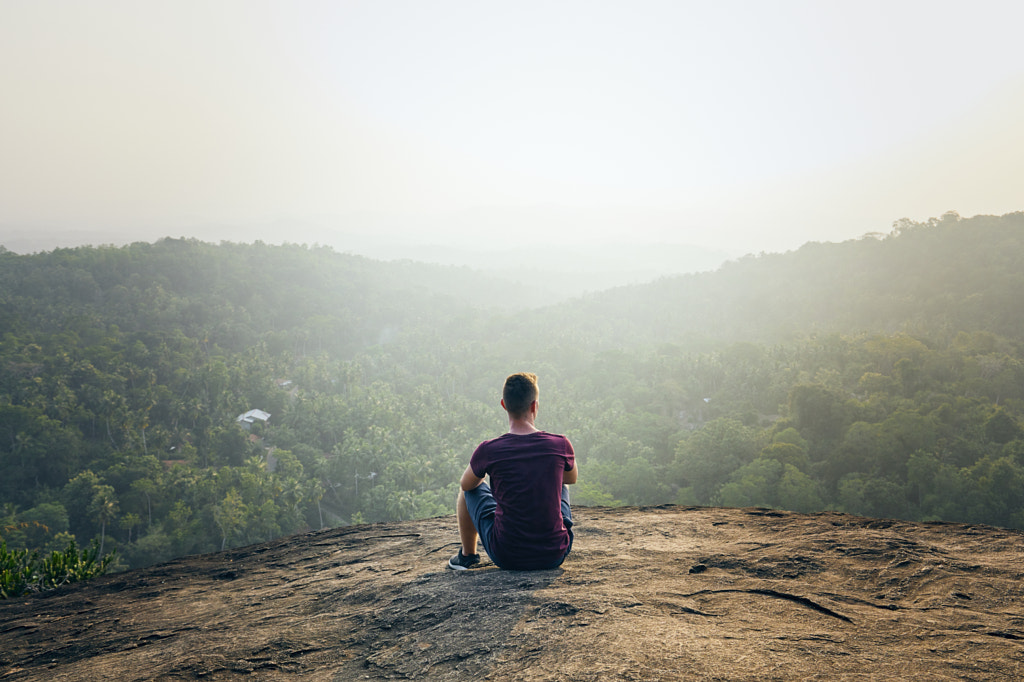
column 522, row 518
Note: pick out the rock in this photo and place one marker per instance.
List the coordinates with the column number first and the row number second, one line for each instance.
column 656, row 593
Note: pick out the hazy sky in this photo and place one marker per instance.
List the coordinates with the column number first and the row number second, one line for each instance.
column 741, row 125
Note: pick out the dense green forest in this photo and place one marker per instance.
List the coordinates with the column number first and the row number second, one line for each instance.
column 880, row 376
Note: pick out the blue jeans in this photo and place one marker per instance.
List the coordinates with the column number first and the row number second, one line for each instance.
column 481, row 505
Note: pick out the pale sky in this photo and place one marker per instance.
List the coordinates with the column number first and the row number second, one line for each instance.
column 747, row 126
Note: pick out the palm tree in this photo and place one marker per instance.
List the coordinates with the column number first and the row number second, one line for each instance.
column 315, row 492
column 229, row 515
column 103, row 509
column 128, row 522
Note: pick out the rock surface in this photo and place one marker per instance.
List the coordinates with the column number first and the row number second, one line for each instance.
column 657, row 593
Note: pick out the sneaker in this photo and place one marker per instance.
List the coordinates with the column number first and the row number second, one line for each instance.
column 460, row 562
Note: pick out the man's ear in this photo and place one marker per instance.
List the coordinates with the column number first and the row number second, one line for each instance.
column 503, row 405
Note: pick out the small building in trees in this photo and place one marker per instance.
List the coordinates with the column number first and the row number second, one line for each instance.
column 251, row 417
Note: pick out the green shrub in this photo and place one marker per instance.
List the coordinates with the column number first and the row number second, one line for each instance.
column 22, row 571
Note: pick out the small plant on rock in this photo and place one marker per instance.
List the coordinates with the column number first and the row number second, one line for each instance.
column 22, row 571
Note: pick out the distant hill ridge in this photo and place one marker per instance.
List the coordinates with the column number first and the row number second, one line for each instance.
column 233, row 294
column 933, row 278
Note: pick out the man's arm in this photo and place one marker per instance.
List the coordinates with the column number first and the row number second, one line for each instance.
column 469, row 480
column 569, row 477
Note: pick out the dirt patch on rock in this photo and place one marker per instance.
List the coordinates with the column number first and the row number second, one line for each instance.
column 665, row 593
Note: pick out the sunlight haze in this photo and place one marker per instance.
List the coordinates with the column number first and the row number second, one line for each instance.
column 381, row 127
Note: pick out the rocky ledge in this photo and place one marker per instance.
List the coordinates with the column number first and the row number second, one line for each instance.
column 655, row 593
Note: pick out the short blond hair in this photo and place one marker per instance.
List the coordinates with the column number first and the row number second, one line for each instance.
column 520, row 391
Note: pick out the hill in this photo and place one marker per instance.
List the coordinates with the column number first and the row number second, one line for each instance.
column 933, row 278
column 663, row 593
column 234, row 295
column 882, row 376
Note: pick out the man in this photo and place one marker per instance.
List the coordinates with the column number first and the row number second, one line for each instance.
column 522, row 518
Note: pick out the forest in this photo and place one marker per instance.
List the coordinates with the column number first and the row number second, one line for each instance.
column 881, row 376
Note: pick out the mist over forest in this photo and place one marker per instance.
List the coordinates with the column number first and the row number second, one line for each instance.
column 881, row 376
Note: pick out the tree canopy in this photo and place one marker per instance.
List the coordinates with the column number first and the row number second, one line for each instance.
column 877, row 376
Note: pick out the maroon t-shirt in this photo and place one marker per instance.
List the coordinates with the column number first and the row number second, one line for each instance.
column 526, row 479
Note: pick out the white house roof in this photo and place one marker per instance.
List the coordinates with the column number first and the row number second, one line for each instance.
column 252, row 415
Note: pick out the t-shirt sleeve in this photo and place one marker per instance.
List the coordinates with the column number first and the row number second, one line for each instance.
column 570, row 456
column 479, row 461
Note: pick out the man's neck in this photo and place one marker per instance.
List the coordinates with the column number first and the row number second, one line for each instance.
column 521, row 427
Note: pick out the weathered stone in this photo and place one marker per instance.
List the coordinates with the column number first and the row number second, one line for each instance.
column 658, row 593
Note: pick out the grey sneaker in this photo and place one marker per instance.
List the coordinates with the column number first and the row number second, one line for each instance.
column 460, row 562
